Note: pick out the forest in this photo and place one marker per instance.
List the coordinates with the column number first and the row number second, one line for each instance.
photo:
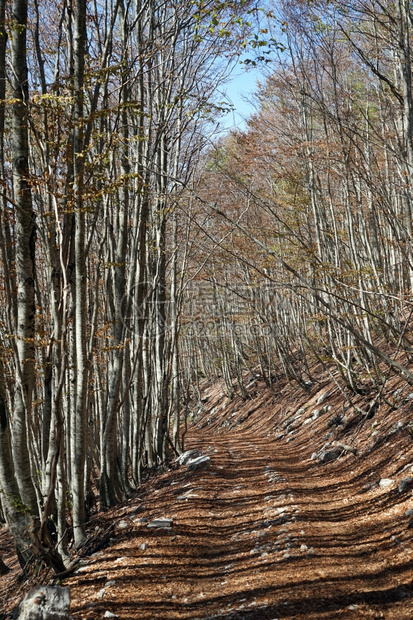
column 144, row 250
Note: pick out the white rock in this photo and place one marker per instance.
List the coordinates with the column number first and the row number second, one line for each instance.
column 322, row 398
column 329, row 455
column 202, row 462
column 406, row 484
column 44, row 603
column 187, row 456
column 160, row 523
column 109, row 614
column 385, row 482
column 123, row 525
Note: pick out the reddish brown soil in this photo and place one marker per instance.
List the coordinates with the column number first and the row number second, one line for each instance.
column 265, row 532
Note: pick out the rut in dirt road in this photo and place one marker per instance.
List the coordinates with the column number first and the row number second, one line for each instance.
column 263, row 533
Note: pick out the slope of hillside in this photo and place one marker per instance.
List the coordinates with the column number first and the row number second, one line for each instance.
column 302, row 513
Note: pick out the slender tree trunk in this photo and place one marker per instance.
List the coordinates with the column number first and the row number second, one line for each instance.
column 110, row 471
column 17, row 516
column 79, row 426
column 405, row 68
column 175, row 391
column 25, row 259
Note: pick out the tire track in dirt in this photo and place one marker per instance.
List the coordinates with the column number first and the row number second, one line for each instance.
column 264, row 533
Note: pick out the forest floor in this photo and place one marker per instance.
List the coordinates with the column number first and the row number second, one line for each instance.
column 268, row 530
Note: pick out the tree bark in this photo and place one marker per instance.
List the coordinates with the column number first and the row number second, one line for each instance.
column 25, row 259
column 79, row 425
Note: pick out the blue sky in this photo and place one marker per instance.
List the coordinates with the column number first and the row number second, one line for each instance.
column 239, row 91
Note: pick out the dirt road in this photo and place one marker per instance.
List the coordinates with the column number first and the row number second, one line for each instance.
column 263, row 533
column 267, row 531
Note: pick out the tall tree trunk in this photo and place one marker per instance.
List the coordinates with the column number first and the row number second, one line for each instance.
column 79, row 425
column 405, row 69
column 25, row 259
column 109, row 470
